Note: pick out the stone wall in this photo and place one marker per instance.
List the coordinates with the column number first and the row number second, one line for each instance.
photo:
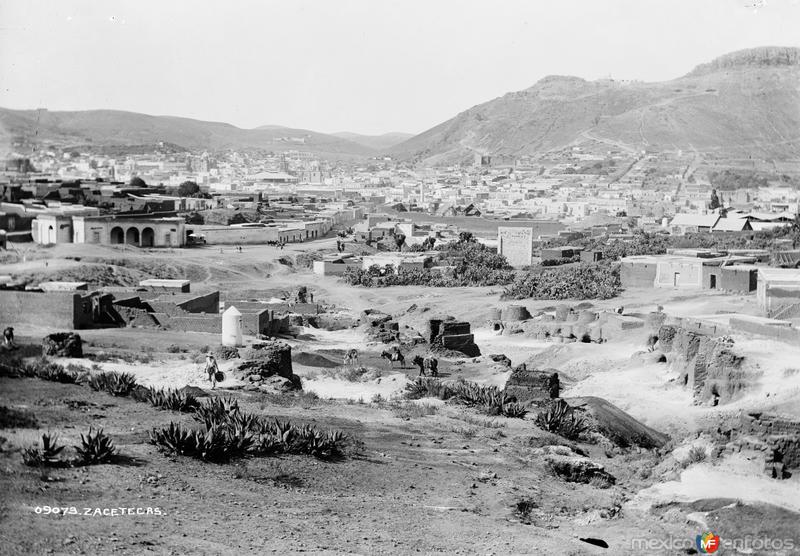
column 778, row 437
column 532, row 385
column 708, row 365
column 54, row 309
column 449, row 334
column 774, row 331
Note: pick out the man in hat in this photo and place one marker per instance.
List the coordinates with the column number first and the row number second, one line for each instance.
column 211, row 370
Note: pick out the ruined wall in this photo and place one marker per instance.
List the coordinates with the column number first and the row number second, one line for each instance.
column 449, row 334
column 708, row 365
column 54, row 309
column 777, row 436
column 532, row 385
column 205, row 303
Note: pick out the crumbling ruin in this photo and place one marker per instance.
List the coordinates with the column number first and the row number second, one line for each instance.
column 776, row 436
column 532, row 385
column 62, row 344
column 448, row 334
column 708, row 364
column 267, row 366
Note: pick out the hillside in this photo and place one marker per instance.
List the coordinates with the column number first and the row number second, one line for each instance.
column 744, row 103
column 115, row 127
column 376, row 142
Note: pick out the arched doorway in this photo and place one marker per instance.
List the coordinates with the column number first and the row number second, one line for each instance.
column 132, row 236
column 51, row 235
column 117, row 235
column 148, row 237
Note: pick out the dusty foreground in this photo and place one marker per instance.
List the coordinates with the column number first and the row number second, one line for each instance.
column 417, row 476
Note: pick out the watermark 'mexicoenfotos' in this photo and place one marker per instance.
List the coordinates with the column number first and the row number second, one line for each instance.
column 709, row 543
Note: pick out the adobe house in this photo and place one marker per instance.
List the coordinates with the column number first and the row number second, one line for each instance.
column 566, row 252
column 638, row 271
column 736, row 278
column 591, row 256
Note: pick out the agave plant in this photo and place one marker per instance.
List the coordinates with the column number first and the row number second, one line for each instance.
column 173, row 400
column 141, row 393
column 514, row 410
column 96, row 447
column 116, row 384
column 212, row 445
column 561, row 419
column 174, row 439
column 216, row 411
column 47, row 456
column 54, row 372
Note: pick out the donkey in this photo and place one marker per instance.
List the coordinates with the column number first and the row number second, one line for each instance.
column 393, row 356
column 351, row 358
column 428, row 365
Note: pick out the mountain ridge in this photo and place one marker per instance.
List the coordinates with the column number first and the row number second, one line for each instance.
column 122, row 127
column 744, row 102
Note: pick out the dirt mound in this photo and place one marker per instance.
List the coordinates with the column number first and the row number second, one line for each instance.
column 616, row 425
column 311, row 359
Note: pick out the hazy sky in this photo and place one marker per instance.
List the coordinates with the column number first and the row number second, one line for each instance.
column 368, row 66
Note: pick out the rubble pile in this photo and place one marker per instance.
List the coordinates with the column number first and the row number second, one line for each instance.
column 62, row 344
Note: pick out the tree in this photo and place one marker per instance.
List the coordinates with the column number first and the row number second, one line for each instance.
column 188, row 189
column 136, row 181
column 466, row 237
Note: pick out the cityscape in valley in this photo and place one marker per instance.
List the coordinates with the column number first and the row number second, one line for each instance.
column 564, row 321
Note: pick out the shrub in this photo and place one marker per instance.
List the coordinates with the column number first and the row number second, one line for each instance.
column 53, row 372
column 11, row 418
column 415, row 411
column 560, row 419
column 469, row 264
column 696, row 455
column 96, row 447
column 584, row 281
column 47, row 456
column 116, row 384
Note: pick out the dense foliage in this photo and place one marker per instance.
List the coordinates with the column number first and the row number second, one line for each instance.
column 584, row 281
column 468, row 263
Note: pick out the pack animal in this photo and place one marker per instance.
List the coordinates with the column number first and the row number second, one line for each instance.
column 393, row 356
column 427, row 365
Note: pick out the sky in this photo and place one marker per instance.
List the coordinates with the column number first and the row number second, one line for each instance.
column 366, row 66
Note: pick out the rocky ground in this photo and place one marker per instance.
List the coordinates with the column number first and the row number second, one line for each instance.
column 419, row 476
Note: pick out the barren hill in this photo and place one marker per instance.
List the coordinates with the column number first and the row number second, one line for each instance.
column 115, row 127
column 743, row 103
column 376, row 142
